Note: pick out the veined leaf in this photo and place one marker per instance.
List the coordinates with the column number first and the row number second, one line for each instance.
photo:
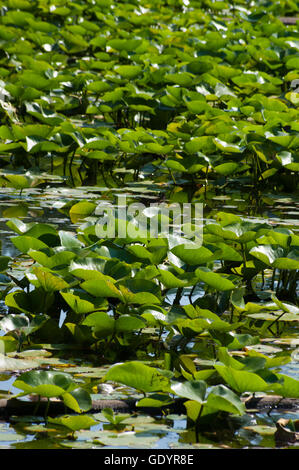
column 242, row 381
column 222, row 398
column 214, row 280
column 101, row 288
column 49, row 282
column 192, row 390
column 139, row 376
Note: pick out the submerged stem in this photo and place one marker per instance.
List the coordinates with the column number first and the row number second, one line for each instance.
column 197, row 424
column 47, row 409
column 36, row 406
column 243, row 255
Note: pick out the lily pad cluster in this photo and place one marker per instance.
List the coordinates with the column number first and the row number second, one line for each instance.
column 186, row 320
column 194, row 89
column 196, row 96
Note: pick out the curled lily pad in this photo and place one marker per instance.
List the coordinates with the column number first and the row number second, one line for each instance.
column 22, row 324
column 214, row 280
column 138, row 375
column 52, row 384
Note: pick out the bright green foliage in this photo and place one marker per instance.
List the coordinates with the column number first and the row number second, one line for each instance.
column 54, row 384
column 139, row 376
column 183, row 101
column 174, row 76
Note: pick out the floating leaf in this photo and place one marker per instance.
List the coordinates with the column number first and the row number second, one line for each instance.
column 289, row 386
column 54, row 384
column 222, row 398
column 102, row 324
column 25, row 243
column 81, row 210
column 214, row 280
column 78, row 303
column 192, row 390
column 155, row 400
column 128, row 71
column 101, row 288
column 227, row 146
column 77, row 399
column 266, row 253
column 74, row 423
column 12, row 364
column 227, row 168
column 198, row 256
column 242, row 381
column 49, row 282
column 139, row 376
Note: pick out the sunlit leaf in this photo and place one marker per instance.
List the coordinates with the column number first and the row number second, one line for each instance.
column 192, row 390
column 138, row 375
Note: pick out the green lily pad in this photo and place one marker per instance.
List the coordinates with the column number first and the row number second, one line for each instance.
column 74, row 423
column 11, row 364
column 25, row 243
column 138, row 375
column 193, row 390
column 222, row 398
column 131, row 439
column 242, row 381
column 54, row 384
column 214, row 280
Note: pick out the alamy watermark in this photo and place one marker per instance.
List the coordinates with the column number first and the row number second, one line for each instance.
column 178, row 223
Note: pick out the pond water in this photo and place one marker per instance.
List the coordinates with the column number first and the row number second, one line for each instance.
column 256, row 429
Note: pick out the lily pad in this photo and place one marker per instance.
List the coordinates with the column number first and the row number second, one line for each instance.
column 138, row 376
